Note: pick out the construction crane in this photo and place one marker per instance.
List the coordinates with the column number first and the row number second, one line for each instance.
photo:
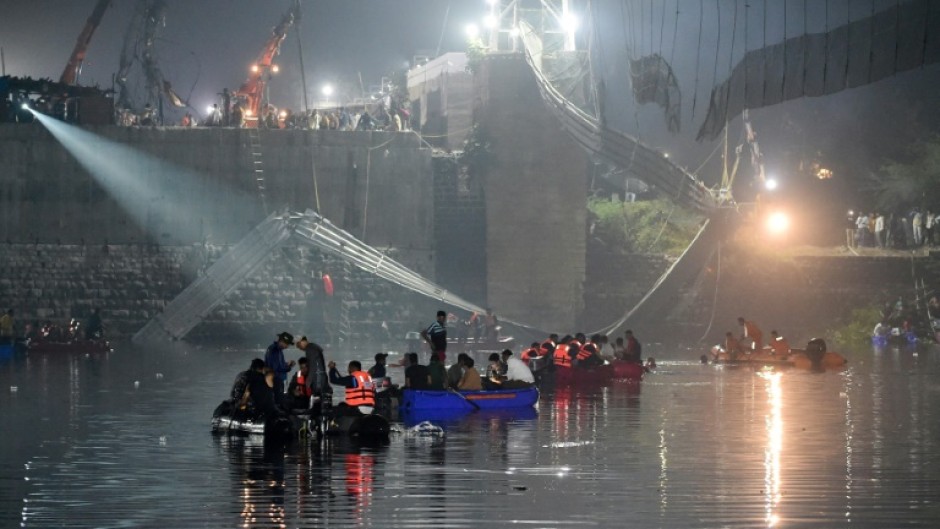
column 74, row 67
column 252, row 90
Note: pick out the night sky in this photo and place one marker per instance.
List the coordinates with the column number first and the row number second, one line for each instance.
column 212, row 42
column 209, row 44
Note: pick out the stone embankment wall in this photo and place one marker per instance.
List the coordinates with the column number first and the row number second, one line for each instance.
column 132, row 283
column 181, row 186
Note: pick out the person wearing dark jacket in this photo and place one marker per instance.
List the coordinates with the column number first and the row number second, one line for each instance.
column 274, row 360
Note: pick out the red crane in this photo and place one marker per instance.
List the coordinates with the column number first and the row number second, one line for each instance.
column 252, row 90
column 74, row 67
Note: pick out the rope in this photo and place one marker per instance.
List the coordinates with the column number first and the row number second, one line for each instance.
column 711, row 320
column 698, row 54
column 365, row 207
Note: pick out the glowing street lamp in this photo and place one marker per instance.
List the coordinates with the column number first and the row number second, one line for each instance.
column 472, row 30
column 778, row 223
column 327, row 90
column 275, row 68
column 254, row 68
column 771, row 184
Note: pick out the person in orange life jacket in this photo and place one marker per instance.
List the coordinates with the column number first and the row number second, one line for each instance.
column 778, row 344
column 561, row 357
column 298, row 389
column 548, row 346
column 589, row 354
column 534, row 351
column 360, row 393
column 732, row 346
column 633, row 349
column 753, row 333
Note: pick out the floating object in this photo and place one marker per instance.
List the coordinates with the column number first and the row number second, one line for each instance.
column 136, row 384
column 14, row 389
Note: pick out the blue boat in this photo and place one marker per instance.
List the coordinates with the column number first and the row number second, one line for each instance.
column 499, row 399
column 448, row 416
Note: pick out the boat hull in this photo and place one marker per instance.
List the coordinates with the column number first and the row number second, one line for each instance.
column 628, row 370
column 590, row 376
column 499, row 399
column 81, row 347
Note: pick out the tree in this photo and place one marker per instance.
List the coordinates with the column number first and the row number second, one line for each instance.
column 904, row 184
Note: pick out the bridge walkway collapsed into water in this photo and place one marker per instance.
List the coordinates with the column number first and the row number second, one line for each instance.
column 201, row 297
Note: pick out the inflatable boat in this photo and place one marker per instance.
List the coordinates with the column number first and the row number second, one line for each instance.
column 498, row 399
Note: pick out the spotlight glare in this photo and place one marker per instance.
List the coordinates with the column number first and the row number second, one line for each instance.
column 490, row 22
column 569, row 23
column 25, row 106
column 771, row 184
column 472, row 31
column 778, row 223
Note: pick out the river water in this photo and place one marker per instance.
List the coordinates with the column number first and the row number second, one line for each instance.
column 123, row 440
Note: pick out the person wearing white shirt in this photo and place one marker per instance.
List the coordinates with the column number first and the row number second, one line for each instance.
column 518, row 375
column 880, row 229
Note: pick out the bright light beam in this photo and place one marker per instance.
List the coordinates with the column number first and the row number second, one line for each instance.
column 778, row 223
column 157, row 195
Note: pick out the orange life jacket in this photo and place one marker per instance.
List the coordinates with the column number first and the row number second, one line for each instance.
column 561, row 358
column 529, row 354
column 780, row 345
column 574, row 349
column 586, row 351
column 548, row 346
column 364, row 392
column 302, row 382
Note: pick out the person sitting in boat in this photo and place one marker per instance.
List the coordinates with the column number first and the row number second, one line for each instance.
column 260, row 399
column 495, row 372
column 437, row 374
column 298, row 390
column 238, row 394
column 588, row 354
column 360, row 392
column 548, row 346
column 732, row 346
column 471, row 377
column 416, row 375
column 619, row 349
column 518, row 374
column 534, row 351
column 752, row 334
column 779, row 345
column 455, row 372
column 633, row 349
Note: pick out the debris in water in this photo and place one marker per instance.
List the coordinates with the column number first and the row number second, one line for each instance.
column 14, row 389
column 136, row 384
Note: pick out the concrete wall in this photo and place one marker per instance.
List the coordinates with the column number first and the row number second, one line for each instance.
column 535, row 189
column 377, row 185
column 132, row 283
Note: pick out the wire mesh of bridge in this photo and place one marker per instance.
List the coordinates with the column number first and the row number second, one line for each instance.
column 615, row 147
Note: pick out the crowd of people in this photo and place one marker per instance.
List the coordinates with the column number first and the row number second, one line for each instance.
column 912, row 229
column 49, row 331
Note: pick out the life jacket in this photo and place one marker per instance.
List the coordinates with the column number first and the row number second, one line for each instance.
column 548, row 346
column 574, row 349
column 586, row 351
column 364, row 392
column 780, row 346
column 530, row 354
column 302, row 382
column 561, row 358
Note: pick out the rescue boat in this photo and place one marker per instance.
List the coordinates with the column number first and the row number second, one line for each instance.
column 498, row 399
column 814, row 356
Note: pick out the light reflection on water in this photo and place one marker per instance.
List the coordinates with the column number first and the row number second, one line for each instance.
column 692, row 446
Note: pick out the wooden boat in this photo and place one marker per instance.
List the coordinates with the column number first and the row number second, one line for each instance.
column 814, row 356
column 77, row 346
column 499, row 399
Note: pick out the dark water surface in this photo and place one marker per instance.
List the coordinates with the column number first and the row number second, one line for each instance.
column 693, row 446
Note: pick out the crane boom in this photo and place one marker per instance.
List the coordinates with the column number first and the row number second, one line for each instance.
column 74, row 67
column 252, row 89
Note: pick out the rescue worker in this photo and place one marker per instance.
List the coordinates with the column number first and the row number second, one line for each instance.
column 436, row 335
column 360, row 392
column 242, row 380
column 560, row 357
column 752, row 332
column 533, row 352
column 732, row 346
column 298, row 389
column 779, row 345
column 274, row 359
column 548, row 346
column 633, row 349
column 378, row 370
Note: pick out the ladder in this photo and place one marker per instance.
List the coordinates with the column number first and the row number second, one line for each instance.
column 257, row 164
